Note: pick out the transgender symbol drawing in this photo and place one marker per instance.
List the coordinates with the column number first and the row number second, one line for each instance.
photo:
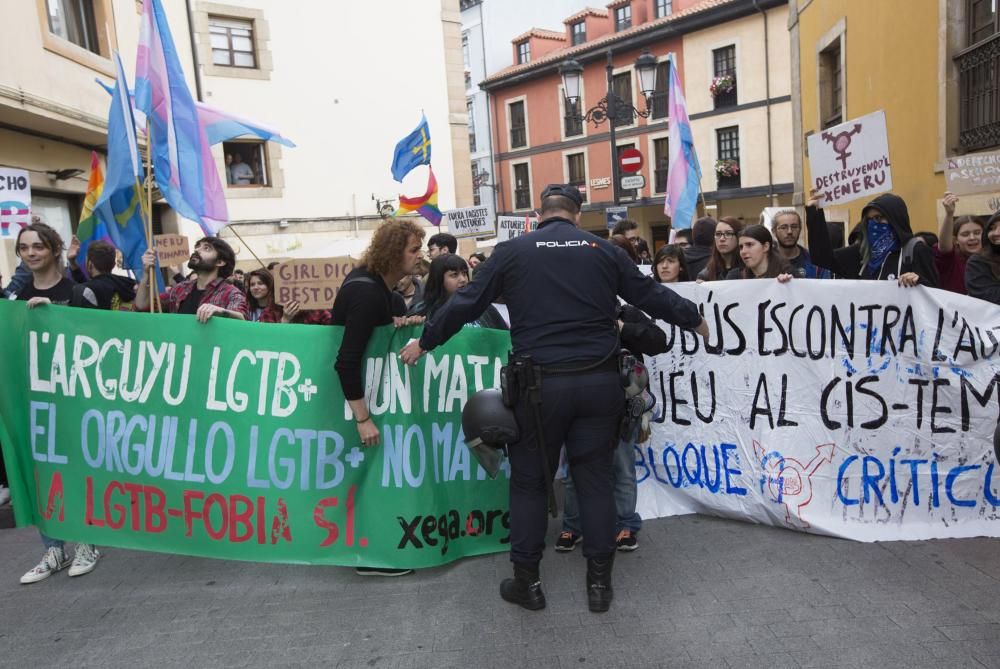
column 841, row 142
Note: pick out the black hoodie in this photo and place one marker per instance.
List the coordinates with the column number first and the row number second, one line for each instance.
column 848, row 262
column 100, row 292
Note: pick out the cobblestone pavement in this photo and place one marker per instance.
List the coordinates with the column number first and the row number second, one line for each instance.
column 699, row 592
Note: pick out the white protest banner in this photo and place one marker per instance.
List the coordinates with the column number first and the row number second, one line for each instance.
column 15, row 201
column 313, row 283
column 471, row 222
column 509, row 227
column 857, row 409
column 851, row 160
column 973, row 173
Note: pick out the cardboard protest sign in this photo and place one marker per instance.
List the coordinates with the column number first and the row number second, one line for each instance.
column 851, row 160
column 509, row 227
column 313, row 283
column 233, row 440
column 172, row 250
column 974, row 173
column 15, row 201
column 471, row 222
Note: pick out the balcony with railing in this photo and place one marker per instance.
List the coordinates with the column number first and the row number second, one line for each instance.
column 979, row 95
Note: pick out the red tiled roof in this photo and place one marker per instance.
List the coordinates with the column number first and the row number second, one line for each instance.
column 589, row 11
column 617, row 3
column 540, row 34
column 561, row 54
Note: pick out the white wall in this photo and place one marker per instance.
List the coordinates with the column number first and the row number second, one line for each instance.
column 348, row 83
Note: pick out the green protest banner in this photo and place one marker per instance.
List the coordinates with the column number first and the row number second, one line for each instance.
column 233, row 440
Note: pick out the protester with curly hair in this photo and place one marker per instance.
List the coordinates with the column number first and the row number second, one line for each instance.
column 365, row 301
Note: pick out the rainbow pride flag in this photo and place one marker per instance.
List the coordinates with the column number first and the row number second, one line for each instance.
column 91, row 228
column 426, row 205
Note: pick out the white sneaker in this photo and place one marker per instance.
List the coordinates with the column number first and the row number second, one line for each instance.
column 4, row 494
column 53, row 560
column 85, row 560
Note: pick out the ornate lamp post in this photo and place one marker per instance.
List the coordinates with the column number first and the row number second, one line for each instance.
column 611, row 108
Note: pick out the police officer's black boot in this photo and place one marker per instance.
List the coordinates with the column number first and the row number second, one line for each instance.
column 525, row 589
column 599, row 593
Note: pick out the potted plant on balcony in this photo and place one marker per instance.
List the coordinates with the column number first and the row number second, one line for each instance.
column 724, row 83
column 727, row 168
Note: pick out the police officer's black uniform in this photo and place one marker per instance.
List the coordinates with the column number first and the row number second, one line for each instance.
column 561, row 285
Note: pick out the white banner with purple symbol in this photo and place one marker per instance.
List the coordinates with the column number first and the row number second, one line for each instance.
column 857, row 409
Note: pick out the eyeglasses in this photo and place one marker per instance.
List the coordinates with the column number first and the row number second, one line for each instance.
column 789, row 228
column 729, row 234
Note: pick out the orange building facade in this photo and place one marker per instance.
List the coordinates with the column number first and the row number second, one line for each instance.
column 539, row 141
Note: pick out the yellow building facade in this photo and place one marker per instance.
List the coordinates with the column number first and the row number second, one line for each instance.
column 907, row 58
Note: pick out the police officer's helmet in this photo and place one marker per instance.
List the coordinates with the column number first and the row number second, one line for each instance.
column 564, row 190
column 486, row 420
column 488, row 425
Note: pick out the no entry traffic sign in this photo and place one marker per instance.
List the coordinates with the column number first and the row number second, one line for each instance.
column 630, row 160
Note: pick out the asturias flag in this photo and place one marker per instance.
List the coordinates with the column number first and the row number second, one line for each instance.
column 119, row 208
column 683, row 171
column 412, row 150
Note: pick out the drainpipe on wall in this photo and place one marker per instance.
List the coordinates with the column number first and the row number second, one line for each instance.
column 194, row 52
column 489, row 115
column 767, row 96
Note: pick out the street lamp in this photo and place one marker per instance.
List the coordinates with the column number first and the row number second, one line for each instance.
column 610, row 107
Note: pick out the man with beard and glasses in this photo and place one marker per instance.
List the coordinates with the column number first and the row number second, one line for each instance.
column 787, row 228
column 208, row 294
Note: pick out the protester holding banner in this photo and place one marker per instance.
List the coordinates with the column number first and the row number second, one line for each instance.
column 449, row 273
column 41, row 247
column 885, row 249
column 561, row 285
column 761, row 259
column 670, row 265
column 959, row 239
column 260, row 298
column 365, row 301
column 104, row 290
column 213, row 260
column 441, row 243
column 726, row 255
column 982, row 271
column 787, row 228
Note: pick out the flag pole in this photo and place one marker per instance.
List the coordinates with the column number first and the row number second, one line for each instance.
column 247, row 246
column 147, row 215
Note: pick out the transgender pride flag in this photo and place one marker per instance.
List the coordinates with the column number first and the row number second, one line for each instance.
column 683, row 171
column 185, row 170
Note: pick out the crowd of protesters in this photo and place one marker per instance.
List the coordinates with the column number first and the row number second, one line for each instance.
column 396, row 284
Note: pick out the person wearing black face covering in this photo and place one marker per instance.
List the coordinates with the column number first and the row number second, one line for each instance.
column 884, row 250
column 982, row 270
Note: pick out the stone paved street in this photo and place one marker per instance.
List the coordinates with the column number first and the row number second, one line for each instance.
column 700, row 592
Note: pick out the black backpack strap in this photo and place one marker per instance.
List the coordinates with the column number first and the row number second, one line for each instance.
column 911, row 244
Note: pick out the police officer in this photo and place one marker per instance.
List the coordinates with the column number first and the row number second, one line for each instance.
column 561, row 285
